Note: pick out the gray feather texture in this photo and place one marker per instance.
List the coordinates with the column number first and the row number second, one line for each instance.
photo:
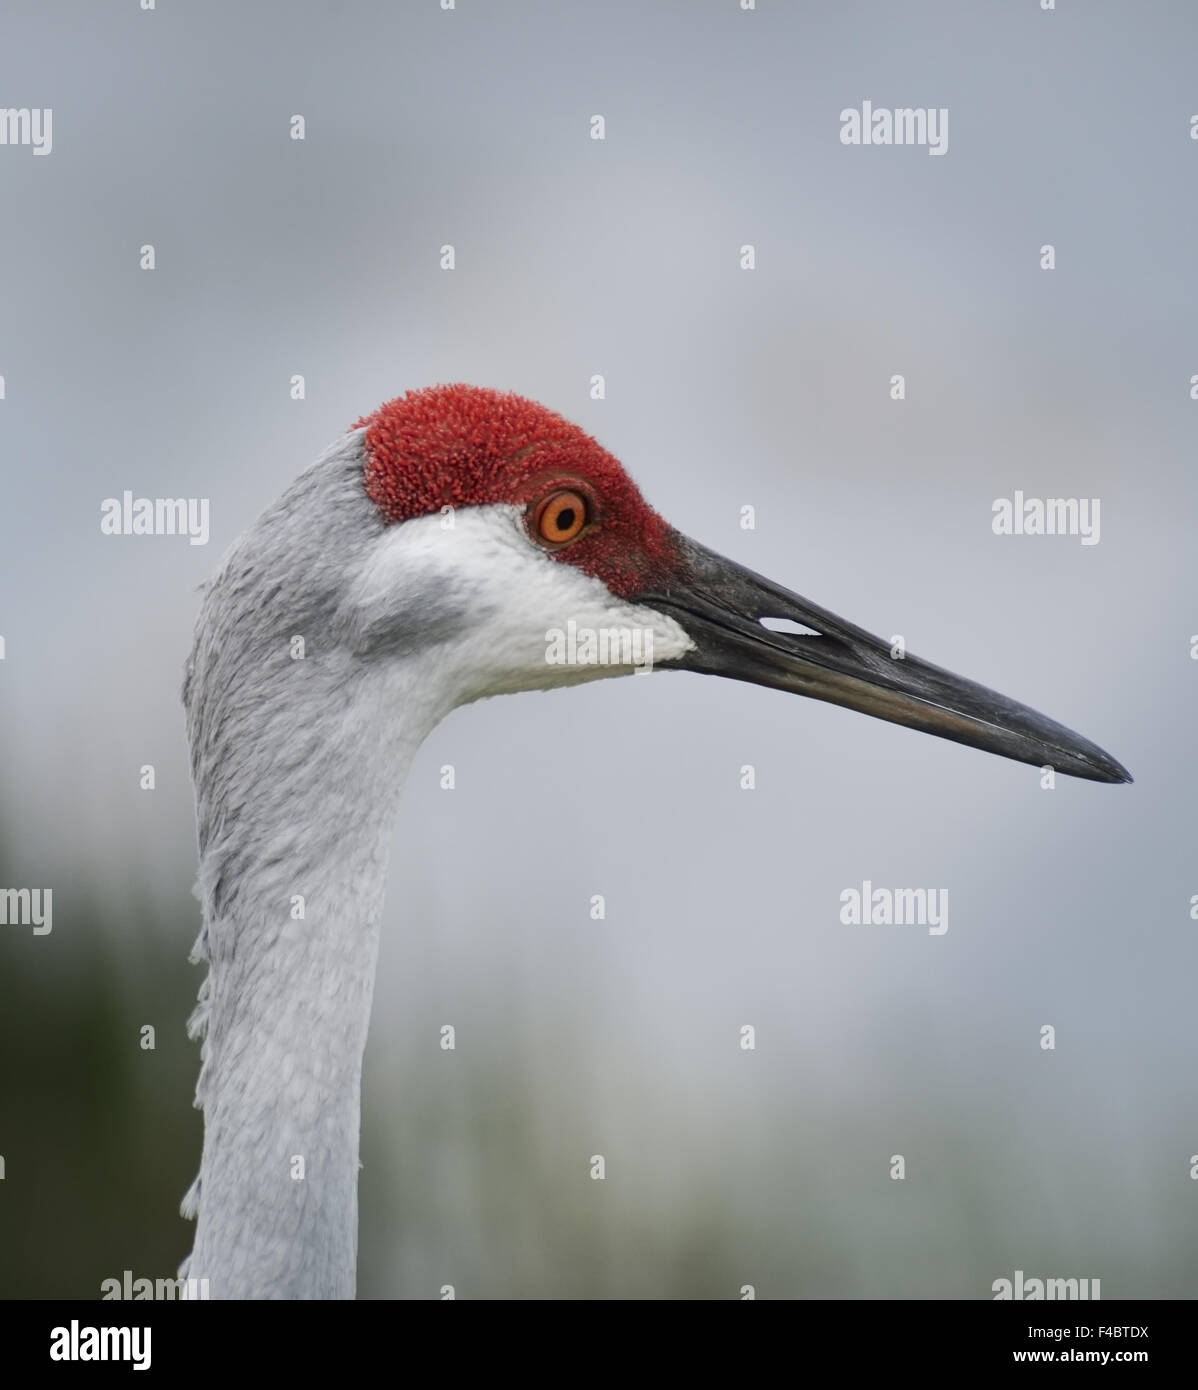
column 292, row 790
column 298, row 765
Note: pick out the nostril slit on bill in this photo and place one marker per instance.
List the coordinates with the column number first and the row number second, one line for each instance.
column 788, row 625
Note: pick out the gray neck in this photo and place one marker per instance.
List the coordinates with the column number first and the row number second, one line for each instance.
column 295, row 801
column 285, row 1011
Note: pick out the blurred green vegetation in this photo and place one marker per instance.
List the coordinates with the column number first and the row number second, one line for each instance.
column 475, row 1164
column 99, row 1136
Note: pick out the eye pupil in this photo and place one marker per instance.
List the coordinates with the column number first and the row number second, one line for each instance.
column 565, row 518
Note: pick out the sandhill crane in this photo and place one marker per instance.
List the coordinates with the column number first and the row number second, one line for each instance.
column 418, row 565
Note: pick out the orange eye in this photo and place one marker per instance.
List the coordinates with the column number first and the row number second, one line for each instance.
column 560, row 517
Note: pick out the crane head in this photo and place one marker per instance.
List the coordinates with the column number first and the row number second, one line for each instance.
column 532, row 561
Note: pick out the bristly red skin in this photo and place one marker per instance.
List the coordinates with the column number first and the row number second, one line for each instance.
column 464, row 446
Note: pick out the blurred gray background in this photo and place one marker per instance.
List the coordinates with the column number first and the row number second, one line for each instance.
column 724, row 388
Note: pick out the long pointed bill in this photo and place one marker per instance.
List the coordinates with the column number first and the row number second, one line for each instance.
column 721, row 606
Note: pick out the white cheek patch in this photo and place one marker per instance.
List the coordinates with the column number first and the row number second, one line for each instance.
column 503, row 615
